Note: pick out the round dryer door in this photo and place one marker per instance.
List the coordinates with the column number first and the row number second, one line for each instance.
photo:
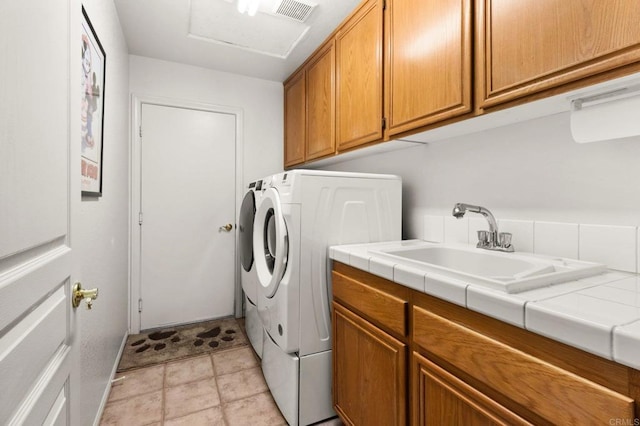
column 270, row 242
column 247, row 213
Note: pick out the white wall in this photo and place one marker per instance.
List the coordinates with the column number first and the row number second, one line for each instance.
column 260, row 100
column 100, row 234
column 531, row 170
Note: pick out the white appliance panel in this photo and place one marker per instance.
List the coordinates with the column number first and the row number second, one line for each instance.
column 344, row 212
column 253, row 326
column 316, row 401
column 281, row 374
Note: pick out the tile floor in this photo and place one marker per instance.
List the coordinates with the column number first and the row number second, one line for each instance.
column 224, row 388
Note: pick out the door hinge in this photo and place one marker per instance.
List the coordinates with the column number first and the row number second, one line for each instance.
column 140, row 131
column 140, row 218
column 139, row 305
column 384, row 123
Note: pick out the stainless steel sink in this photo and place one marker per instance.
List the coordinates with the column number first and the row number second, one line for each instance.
column 509, row 272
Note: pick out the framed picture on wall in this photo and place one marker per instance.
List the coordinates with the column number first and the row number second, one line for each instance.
column 92, row 108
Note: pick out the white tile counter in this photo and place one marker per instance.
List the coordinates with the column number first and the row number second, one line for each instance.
column 598, row 314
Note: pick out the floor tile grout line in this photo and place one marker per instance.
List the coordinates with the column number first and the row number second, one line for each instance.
column 164, row 392
column 222, row 411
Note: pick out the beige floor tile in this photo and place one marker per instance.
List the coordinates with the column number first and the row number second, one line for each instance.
column 231, row 361
column 139, row 410
column 241, row 384
column 190, row 397
column 137, row 382
column 208, row 417
column 257, row 410
column 189, row 370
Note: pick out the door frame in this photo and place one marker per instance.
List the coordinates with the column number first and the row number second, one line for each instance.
column 135, row 178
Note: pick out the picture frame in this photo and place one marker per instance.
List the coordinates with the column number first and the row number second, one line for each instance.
column 92, row 109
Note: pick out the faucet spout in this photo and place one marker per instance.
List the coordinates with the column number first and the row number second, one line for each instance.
column 461, row 208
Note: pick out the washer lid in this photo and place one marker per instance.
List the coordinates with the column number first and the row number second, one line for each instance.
column 247, row 214
column 270, row 242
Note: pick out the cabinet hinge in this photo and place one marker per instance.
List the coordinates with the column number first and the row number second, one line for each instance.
column 139, row 305
column 384, row 123
column 140, row 131
column 140, row 218
column 384, row 4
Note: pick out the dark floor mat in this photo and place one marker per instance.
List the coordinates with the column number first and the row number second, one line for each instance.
column 171, row 343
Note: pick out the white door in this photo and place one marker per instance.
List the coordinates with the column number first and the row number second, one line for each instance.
column 187, row 197
column 37, row 323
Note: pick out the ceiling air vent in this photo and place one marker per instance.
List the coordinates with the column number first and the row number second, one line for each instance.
column 294, row 9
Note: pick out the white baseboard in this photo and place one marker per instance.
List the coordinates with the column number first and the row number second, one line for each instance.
column 105, row 396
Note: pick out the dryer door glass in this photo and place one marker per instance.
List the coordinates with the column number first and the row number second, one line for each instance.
column 270, row 242
column 270, row 238
column 247, row 214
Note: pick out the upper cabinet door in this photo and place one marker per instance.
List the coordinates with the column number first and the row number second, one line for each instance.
column 429, row 62
column 359, row 77
column 321, row 103
column 528, row 46
column 294, row 120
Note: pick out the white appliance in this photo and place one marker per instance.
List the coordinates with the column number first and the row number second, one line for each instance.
column 301, row 214
column 248, row 276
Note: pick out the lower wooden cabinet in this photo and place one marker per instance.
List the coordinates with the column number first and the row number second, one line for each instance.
column 440, row 398
column 404, row 357
column 553, row 394
column 369, row 372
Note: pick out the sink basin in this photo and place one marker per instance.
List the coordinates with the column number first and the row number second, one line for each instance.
column 509, row 272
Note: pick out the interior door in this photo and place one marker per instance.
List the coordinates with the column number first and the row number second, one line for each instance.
column 37, row 330
column 187, row 198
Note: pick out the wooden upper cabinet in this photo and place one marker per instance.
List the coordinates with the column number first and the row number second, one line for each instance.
column 359, row 77
column 428, row 62
column 294, row 120
column 528, row 46
column 321, row 103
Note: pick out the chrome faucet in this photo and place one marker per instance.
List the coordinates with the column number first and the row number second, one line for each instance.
column 491, row 239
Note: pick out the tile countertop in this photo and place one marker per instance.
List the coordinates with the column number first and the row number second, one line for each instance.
column 598, row 314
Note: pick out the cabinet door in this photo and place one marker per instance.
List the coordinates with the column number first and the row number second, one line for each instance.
column 359, row 77
column 527, row 46
column 429, row 62
column 440, row 398
column 321, row 104
column 369, row 368
column 294, row 120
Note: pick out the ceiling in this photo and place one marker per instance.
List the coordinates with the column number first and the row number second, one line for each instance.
column 213, row 34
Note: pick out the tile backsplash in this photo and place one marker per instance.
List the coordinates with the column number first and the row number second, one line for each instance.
column 616, row 246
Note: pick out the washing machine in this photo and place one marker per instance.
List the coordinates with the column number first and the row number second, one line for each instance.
column 248, row 276
column 301, row 214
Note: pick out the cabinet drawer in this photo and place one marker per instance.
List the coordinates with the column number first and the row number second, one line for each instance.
column 385, row 310
column 554, row 394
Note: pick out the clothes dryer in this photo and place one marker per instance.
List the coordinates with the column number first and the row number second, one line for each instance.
column 301, row 214
column 248, row 276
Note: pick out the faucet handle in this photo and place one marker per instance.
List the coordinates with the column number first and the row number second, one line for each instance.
column 483, row 238
column 504, row 239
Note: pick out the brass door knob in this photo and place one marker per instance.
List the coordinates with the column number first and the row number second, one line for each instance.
column 226, row 228
column 79, row 294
